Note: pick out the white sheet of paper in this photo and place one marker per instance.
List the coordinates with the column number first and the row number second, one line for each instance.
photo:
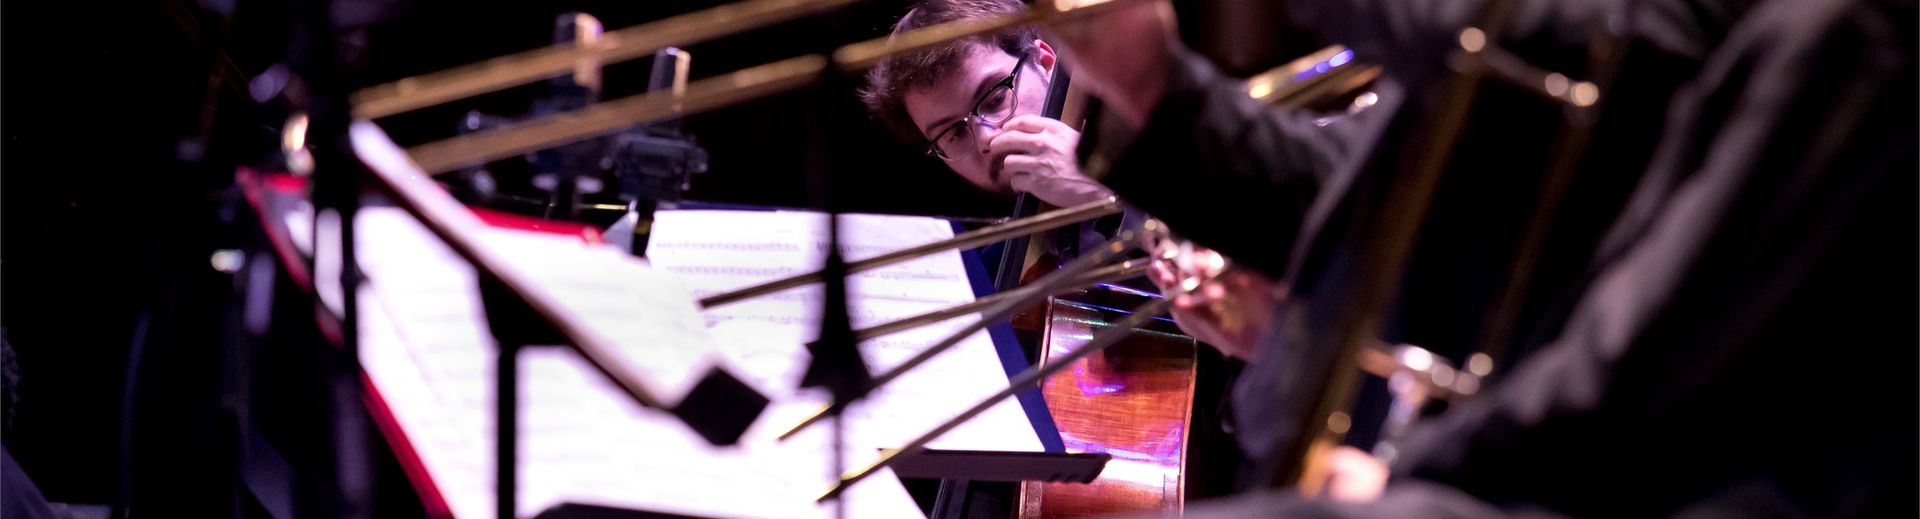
column 715, row 251
column 656, row 340
column 425, row 345
column 430, row 358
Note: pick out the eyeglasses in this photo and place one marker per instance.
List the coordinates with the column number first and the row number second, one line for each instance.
column 993, row 108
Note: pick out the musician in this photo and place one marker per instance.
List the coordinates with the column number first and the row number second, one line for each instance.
column 1684, row 368
column 975, row 105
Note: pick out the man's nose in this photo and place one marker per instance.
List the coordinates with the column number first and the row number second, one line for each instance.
column 983, row 134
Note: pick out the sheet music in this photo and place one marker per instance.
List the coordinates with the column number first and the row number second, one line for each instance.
column 714, row 251
column 425, row 345
column 429, row 357
column 585, row 282
column 426, row 348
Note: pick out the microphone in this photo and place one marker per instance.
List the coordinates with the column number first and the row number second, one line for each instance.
column 655, row 162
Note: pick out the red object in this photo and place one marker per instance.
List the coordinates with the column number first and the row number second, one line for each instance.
column 430, row 497
column 527, row 223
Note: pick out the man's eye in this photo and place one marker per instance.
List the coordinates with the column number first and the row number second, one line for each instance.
column 995, row 100
column 954, row 134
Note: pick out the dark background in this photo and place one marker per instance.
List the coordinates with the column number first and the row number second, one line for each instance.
column 122, row 123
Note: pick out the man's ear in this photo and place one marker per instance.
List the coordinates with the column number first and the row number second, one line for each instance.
column 1043, row 55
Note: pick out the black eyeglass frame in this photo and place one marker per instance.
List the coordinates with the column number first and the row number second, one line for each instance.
column 1009, row 83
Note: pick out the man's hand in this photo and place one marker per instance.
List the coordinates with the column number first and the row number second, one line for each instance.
column 1124, row 56
column 1033, row 154
column 1228, row 308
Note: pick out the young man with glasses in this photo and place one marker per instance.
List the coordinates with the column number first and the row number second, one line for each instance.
column 975, row 104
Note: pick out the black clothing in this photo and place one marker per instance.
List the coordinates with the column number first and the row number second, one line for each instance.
column 1745, row 344
column 1316, row 191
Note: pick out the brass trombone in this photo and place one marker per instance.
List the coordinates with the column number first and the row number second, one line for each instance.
column 630, row 43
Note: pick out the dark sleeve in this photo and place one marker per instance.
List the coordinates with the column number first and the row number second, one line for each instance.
column 1213, row 162
column 1734, row 343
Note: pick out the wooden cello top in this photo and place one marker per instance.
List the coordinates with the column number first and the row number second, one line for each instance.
column 1133, row 401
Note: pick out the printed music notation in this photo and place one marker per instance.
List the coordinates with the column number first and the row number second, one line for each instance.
column 733, row 271
column 726, row 246
column 426, row 347
column 429, row 361
column 763, row 331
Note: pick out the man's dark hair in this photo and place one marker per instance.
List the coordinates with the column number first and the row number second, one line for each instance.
column 888, row 82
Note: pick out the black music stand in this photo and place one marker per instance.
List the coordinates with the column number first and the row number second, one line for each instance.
column 719, row 407
column 959, row 471
column 1011, row 466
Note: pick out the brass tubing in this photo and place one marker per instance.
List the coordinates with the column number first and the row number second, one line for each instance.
column 1059, row 279
column 612, row 116
column 976, row 238
column 1108, row 274
column 593, row 121
column 526, row 67
column 1021, row 382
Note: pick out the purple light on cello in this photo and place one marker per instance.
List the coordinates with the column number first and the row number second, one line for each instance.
column 1167, row 447
column 1089, row 388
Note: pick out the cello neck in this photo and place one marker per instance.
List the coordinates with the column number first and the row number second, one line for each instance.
column 1058, row 86
column 1015, row 258
column 1066, row 101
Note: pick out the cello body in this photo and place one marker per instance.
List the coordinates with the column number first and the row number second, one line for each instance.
column 1133, row 401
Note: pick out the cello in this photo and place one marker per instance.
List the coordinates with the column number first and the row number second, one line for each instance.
column 1141, row 399
column 1134, row 401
